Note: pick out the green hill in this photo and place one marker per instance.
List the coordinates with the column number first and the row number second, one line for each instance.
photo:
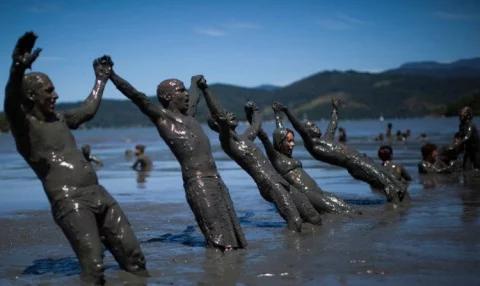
column 404, row 92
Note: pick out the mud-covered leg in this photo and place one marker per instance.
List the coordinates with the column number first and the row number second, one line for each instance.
column 122, row 242
column 328, row 202
column 286, row 207
column 81, row 230
column 305, row 207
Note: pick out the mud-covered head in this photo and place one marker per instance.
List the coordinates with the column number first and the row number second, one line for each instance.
column 173, row 95
column 284, row 140
column 429, row 152
column 312, row 129
column 139, row 149
column 385, row 153
column 466, row 114
column 39, row 93
column 86, row 149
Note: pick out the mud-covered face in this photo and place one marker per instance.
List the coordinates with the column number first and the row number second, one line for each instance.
column 44, row 97
column 231, row 119
column 313, row 129
column 287, row 145
column 172, row 93
column 466, row 114
column 180, row 98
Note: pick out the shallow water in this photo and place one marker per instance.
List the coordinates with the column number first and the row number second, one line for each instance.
column 433, row 240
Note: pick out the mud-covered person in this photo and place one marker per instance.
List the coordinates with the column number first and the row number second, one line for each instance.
column 205, row 190
column 469, row 140
column 430, row 163
column 291, row 203
column 143, row 163
column 88, row 216
column 385, row 153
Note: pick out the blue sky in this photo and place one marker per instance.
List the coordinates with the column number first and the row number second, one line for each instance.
column 245, row 43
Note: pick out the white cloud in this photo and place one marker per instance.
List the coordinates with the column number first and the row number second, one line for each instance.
column 211, row 32
column 340, row 22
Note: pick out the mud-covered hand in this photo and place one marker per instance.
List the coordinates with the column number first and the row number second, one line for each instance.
column 22, row 54
column 250, row 106
column 337, row 102
column 103, row 67
column 278, row 107
column 201, row 82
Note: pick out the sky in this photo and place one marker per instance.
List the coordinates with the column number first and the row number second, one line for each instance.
column 246, row 43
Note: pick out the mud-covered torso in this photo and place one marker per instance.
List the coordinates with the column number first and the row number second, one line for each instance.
column 251, row 159
column 329, row 152
column 190, row 145
column 50, row 149
column 291, row 170
column 472, row 145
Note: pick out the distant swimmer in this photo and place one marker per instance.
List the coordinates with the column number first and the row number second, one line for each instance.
column 361, row 167
column 388, row 133
column 143, row 162
column 379, row 137
column 430, row 163
column 128, row 154
column 86, row 151
column 385, row 153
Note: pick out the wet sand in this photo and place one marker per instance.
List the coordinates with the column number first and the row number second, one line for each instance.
column 424, row 242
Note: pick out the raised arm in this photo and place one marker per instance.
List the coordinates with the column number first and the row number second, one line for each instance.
column 255, row 120
column 75, row 117
column 297, row 124
column 332, row 125
column 269, row 148
column 22, row 57
column 137, row 97
column 194, row 95
column 213, row 105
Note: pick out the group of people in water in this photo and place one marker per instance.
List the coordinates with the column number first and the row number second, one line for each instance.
column 90, row 217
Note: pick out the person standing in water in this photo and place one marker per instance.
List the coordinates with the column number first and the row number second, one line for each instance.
column 385, row 153
column 292, row 205
column 469, row 140
column 280, row 155
column 206, row 193
column 143, row 162
column 88, row 215
column 359, row 166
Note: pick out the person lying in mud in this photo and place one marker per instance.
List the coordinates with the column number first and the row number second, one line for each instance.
column 359, row 166
column 280, row 155
column 143, row 162
column 88, row 215
column 206, row 193
column 469, row 140
column 385, row 153
column 87, row 153
column 292, row 205
column 431, row 164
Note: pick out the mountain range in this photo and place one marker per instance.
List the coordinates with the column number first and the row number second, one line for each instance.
column 411, row 90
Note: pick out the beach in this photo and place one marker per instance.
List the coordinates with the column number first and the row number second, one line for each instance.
column 434, row 239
